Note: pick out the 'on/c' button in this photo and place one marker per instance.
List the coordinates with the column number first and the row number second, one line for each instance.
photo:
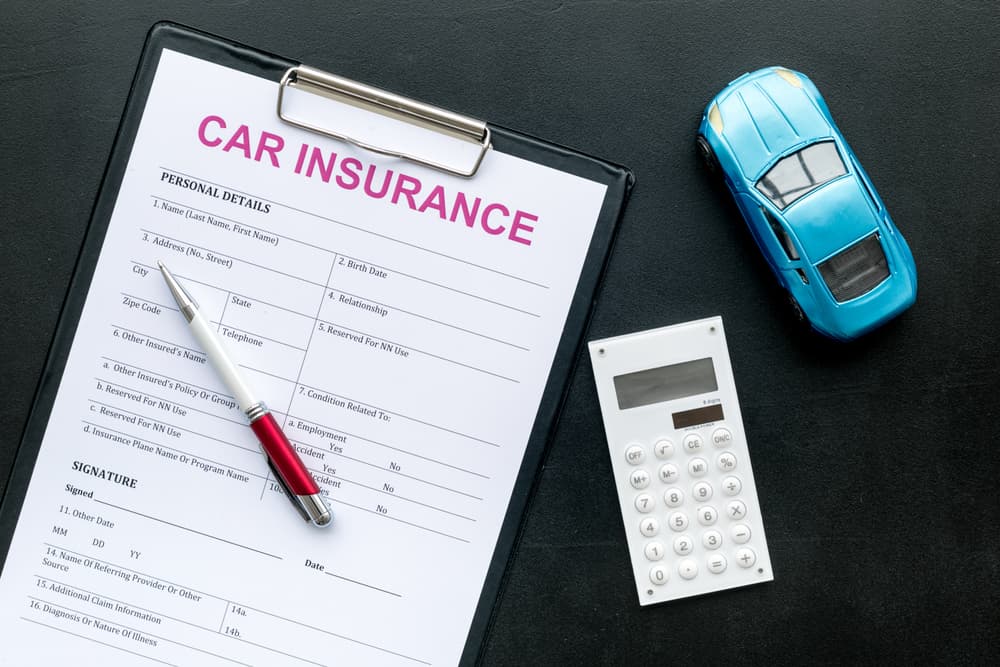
column 721, row 437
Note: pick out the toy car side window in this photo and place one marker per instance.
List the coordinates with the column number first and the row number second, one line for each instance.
column 783, row 238
column 798, row 174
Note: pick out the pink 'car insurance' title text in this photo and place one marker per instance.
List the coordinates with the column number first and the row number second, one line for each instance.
column 349, row 173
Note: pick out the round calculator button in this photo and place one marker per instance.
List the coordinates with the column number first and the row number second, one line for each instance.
column 701, row 491
column 697, row 467
column 711, row 539
column 635, row 455
column 678, row 521
column 644, row 503
column 663, row 449
column 692, row 443
column 668, row 473
column 745, row 557
column 683, row 545
column 716, row 563
column 649, row 526
column 688, row 569
column 653, row 551
column 721, row 437
column 673, row 497
column 707, row 515
column 731, row 486
column 726, row 461
column 736, row 509
column 639, row 479
column 740, row 533
column 659, row 574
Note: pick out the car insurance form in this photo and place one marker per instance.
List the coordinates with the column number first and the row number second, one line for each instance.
column 399, row 322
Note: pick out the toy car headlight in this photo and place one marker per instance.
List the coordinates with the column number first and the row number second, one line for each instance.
column 715, row 118
column 789, row 76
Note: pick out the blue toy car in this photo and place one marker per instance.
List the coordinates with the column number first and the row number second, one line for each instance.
column 808, row 203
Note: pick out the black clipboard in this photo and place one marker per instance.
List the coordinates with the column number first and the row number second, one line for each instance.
column 166, row 35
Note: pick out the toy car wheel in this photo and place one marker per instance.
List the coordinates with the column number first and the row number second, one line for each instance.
column 708, row 155
column 797, row 312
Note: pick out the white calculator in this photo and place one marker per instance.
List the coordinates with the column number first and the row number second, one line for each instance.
column 680, row 461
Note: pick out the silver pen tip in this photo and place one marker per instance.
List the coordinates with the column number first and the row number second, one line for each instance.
column 185, row 301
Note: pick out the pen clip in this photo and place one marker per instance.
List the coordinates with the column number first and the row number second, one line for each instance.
column 284, row 487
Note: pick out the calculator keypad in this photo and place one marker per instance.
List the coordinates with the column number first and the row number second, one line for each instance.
column 682, row 468
column 696, row 490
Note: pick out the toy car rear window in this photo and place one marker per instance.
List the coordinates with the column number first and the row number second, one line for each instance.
column 856, row 270
column 798, row 174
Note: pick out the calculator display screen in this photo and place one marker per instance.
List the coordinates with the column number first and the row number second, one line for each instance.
column 665, row 383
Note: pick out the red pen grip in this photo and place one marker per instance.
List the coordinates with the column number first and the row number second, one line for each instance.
column 284, row 456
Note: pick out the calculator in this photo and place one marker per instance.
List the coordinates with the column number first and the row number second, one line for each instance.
column 680, row 460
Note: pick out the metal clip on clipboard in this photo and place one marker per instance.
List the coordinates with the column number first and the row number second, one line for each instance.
column 389, row 104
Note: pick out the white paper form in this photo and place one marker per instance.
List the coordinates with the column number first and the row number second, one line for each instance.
column 400, row 323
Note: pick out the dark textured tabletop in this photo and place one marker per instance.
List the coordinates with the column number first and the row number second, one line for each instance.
column 876, row 462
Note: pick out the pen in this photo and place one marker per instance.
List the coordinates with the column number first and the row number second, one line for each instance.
column 285, row 463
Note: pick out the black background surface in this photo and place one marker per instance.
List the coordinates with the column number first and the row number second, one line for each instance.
column 876, row 462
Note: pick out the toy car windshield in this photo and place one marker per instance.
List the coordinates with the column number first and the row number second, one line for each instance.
column 798, row 174
column 856, row 270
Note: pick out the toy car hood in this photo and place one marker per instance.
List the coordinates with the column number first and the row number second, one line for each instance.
column 756, row 129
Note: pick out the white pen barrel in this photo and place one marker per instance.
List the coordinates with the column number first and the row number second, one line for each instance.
column 211, row 343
